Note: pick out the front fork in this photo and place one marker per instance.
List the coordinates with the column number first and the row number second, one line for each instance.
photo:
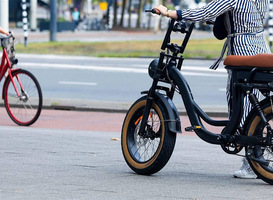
column 9, row 75
column 13, row 83
column 151, row 95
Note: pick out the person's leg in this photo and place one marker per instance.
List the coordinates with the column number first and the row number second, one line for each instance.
column 245, row 171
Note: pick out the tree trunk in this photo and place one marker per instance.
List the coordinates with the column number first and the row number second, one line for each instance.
column 140, row 7
column 129, row 13
column 122, row 12
column 150, row 16
column 160, row 20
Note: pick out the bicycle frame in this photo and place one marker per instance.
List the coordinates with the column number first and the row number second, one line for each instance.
column 6, row 70
column 195, row 113
column 21, row 90
column 5, row 64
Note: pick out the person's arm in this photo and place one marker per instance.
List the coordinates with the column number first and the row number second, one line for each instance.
column 205, row 13
column 3, row 31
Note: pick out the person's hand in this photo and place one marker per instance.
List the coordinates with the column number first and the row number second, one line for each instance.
column 161, row 10
column 2, row 31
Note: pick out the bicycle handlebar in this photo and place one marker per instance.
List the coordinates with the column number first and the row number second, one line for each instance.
column 6, row 37
column 168, row 33
column 167, row 37
column 179, row 27
column 152, row 11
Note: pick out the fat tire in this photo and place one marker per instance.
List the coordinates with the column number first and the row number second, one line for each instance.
column 254, row 127
column 166, row 142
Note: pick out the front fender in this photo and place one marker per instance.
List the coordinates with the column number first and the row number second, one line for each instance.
column 174, row 123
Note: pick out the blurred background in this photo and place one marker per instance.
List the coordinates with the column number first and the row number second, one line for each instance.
column 92, row 14
column 95, row 15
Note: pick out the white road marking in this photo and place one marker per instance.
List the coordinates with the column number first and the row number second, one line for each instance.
column 187, row 70
column 77, row 83
column 222, row 89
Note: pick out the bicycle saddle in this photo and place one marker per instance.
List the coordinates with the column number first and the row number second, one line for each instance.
column 259, row 60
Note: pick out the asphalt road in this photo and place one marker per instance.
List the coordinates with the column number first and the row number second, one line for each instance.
column 115, row 83
column 77, row 155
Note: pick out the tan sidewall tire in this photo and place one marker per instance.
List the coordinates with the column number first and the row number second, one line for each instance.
column 251, row 130
column 126, row 152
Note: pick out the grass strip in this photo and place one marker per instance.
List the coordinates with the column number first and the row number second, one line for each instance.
column 207, row 48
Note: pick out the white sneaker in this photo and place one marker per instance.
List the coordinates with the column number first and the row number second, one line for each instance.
column 245, row 171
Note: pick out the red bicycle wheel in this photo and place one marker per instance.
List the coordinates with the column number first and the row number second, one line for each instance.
column 24, row 109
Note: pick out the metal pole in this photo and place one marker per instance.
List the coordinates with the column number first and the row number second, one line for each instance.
column 110, row 14
column 33, row 15
column 89, row 6
column 53, row 19
column 270, row 24
column 25, row 21
column 4, row 14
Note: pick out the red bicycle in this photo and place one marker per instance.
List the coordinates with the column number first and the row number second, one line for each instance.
column 21, row 93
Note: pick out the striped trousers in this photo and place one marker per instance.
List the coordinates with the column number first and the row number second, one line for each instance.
column 246, row 105
column 246, row 45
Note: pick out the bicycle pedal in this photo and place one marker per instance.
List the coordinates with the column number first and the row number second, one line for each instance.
column 192, row 128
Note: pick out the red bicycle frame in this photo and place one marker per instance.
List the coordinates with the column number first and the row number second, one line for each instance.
column 7, row 67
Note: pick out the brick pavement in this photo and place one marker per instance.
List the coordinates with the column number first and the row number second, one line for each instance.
column 84, row 121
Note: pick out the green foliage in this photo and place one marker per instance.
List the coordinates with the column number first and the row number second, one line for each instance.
column 61, row 19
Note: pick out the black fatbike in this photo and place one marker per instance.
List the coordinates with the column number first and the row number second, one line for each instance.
column 152, row 122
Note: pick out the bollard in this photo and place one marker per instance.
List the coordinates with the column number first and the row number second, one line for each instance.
column 25, row 21
column 270, row 24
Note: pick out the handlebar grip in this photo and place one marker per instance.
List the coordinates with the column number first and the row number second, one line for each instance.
column 11, row 35
column 154, row 11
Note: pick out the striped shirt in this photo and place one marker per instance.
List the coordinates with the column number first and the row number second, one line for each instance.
column 248, row 17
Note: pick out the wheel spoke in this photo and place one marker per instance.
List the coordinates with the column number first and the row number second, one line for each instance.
column 144, row 148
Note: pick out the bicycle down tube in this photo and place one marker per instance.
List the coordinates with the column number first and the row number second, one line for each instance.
column 191, row 108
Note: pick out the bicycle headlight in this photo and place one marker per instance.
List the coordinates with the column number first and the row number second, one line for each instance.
column 152, row 67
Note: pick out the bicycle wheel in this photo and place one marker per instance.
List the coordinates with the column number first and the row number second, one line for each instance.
column 255, row 127
column 147, row 154
column 24, row 109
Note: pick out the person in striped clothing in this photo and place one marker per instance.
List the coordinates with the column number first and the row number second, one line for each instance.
column 246, row 38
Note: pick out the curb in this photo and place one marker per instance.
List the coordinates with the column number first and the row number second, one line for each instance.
column 117, row 107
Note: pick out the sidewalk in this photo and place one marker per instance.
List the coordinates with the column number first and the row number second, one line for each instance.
column 102, row 36
column 118, row 107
